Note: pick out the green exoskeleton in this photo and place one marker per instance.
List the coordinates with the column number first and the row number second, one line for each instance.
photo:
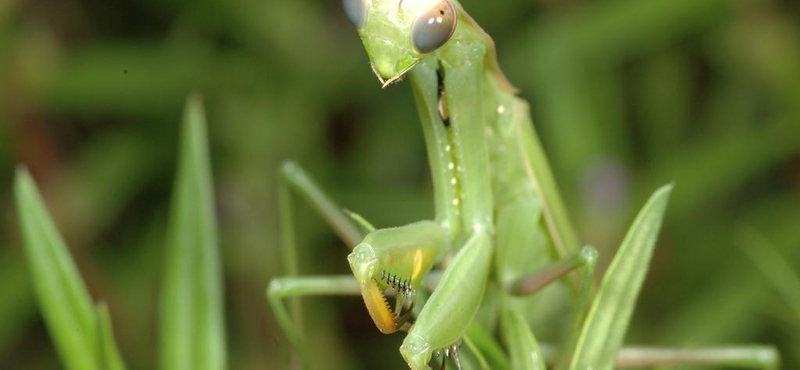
column 500, row 229
column 476, row 131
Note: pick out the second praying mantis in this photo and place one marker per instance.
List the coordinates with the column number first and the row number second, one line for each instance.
column 500, row 232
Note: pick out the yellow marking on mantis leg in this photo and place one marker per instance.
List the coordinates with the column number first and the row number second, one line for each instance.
column 378, row 308
column 417, row 267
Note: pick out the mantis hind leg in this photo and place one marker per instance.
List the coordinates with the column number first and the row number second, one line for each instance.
column 393, row 258
column 585, row 259
column 525, row 262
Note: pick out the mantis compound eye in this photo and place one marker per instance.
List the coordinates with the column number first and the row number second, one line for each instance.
column 356, row 11
column 434, row 27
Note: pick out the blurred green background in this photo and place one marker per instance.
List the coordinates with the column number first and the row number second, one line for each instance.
column 626, row 94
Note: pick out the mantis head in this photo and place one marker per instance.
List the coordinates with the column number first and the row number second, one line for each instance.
column 397, row 34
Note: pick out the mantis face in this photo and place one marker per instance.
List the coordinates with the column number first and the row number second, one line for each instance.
column 397, row 34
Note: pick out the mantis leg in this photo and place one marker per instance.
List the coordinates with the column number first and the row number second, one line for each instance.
column 746, row 357
column 298, row 286
column 733, row 357
column 293, row 179
column 743, row 357
column 738, row 357
column 453, row 304
column 395, row 258
column 586, row 258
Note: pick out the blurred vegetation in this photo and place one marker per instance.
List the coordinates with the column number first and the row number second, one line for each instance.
column 627, row 95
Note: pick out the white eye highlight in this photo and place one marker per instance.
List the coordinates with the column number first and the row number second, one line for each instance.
column 434, row 27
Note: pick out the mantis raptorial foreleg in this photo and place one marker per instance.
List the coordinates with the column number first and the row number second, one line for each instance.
column 457, row 295
column 396, row 258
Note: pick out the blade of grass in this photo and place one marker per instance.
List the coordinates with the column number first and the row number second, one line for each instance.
column 779, row 273
column 192, row 326
column 608, row 319
column 523, row 350
column 17, row 311
column 482, row 342
column 61, row 294
column 107, row 348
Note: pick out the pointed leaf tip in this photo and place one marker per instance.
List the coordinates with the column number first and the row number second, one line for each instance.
column 192, row 317
column 60, row 292
column 604, row 330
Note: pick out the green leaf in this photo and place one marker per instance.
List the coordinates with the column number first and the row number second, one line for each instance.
column 482, row 343
column 63, row 299
column 17, row 311
column 192, row 326
column 107, row 348
column 607, row 322
column 774, row 266
column 523, row 350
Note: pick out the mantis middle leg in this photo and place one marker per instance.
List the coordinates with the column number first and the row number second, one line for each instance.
column 393, row 258
column 294, row 179
column 298, row 286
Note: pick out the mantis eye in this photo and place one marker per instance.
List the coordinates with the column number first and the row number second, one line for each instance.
column 356, row 11
column 434, row 27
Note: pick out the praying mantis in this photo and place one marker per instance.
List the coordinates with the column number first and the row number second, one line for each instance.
column 500, row 230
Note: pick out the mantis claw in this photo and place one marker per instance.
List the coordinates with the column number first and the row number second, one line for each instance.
column 378, row 309
column 454, row 352
column 363, row 262
column 449, row 352
column 391, row 262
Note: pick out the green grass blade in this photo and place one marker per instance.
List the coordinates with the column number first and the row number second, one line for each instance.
column 192, row 326
column 17, row 310
column 523, row 350
column 774, row 266
column 61, row 294
column 107, row 348
column 483, row 342
column 607, row 322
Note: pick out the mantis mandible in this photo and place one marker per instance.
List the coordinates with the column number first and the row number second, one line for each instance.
column 497, row 208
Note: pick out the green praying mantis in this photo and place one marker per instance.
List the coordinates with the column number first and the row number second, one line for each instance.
column 500, row 233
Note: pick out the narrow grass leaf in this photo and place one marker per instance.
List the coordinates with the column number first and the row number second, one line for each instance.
column 483, row 344
column 61, row 294
column 523, row 350
column 778, row 271
column 18, row 310
column 604, row 330
column 192, row 326
column 107, row 348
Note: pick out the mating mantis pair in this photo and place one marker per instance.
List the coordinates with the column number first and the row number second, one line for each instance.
column 500, row 229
